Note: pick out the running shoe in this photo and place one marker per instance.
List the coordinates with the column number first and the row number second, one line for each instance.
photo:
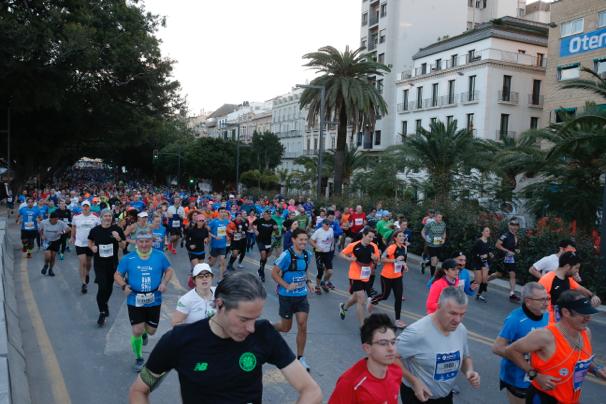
column 44, row 268
column 514, row 298
column 318, row 290
column 261, row 275
column 342, row 311
column 481, row 298
column 50, row 272
column 240, row 266
column 101, row 320
column 87, row 279
column 324, row 287
column 29, row 254
column 400, row 324
column 139, row 363
column 84, row 289
column 330, row 285
column 145, row 338
column 304, row 363
column 61, row 257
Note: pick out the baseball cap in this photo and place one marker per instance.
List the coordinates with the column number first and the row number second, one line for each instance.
column 142, row 214
column 514, row 221
column 143, row 235
column 449, row 263
column 581, row 306
column 201, row 267
column 85, row 202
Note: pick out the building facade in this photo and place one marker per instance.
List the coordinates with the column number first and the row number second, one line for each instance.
column 488, row 80
column 288, row 122
column 393, row 31
column 577, row 38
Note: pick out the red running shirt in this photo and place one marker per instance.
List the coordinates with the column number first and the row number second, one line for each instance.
column 358, row 385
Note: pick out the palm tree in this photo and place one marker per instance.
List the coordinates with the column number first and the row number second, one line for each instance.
column 351, row 98
column 443, row 152
column 597, row 86
column 353, row 159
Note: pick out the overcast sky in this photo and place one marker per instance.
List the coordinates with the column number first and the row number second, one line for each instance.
column 229, row 51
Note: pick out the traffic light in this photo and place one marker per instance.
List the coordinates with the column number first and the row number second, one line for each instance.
column 156, row 154
column 191, row 180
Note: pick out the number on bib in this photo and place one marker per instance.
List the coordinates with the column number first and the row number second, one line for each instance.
column 106, row 250
column 141, row 299
column 365, row 273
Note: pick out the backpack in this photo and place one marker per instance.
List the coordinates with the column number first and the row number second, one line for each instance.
column 293, row 260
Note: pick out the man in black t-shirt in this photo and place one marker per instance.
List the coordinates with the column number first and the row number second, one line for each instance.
column 105, row 241
column 264, row 228
column 219, row 359
column 508, row 245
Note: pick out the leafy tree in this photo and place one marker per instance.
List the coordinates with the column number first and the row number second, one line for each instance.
column 381, row 178
column 351, row 99
column 353, row 159
column 262, row 179
column 267, row 149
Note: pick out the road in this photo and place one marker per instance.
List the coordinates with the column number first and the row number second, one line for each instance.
column 71, row 360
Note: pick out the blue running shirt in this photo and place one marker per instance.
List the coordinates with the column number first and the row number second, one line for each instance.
column 144, row 276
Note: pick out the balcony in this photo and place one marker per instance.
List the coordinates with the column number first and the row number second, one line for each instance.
column 405, row 75
column 502, row 134
column 372, row 45
column 535, row 101
column 448, row 100
column 429, row 103
column 470, row 97
column 508, row 97
column 374, row 19
column 403, row 108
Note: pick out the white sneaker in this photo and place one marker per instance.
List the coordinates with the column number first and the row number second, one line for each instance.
column 240, row 266
column 304, row 363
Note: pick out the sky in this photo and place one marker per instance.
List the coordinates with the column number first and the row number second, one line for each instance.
column 230, row 51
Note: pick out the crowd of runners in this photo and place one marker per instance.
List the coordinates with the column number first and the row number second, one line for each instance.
column 127, row 233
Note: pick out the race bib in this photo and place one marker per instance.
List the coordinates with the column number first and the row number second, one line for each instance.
column 221, row 231
column 365, row 273
column 398, row 265
column 141, row 299
column 267, row 246
column 580, row 371
column 438, row 240
column 28, row 225
column 447, row 366
column 106, row 250
column 176, row 224
column 358, row 221
column 65, row 220
column 509, row 259
column 237, row 236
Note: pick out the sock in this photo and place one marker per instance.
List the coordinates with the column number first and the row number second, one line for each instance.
column 299, row 357
column 137, row 344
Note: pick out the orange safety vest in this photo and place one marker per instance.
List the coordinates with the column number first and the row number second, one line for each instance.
column 569, row 365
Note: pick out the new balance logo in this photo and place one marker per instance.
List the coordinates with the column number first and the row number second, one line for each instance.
column 200, row 367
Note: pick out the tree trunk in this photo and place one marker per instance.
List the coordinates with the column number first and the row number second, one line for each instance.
column 340, row 152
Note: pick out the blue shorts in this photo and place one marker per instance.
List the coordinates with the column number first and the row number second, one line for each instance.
column 215, row 252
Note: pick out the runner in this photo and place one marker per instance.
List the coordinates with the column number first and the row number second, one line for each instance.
column 29, row 216
column 264, row 228
column 434, row 349
column 323, row 243
column 51, row 231
column 481, row 253
column 375, row 379
column 562, row 279
column 65, row 216
column 434, row 234
column 175, row 231
column 560, row 354
column 237, row 230
column 362, row 254
column 518, row 324
column 143, row 276
column 551, row 262
column 81, row 227
column 197, row 237
column 218, row 239
column 290, row 273
column 446, row 276
column 508, row 244
column 394, row 266
column 221, row 358
column 159, row 233
column 198, row 303
column 357, row 222
column 140, row 226
column 105, row 241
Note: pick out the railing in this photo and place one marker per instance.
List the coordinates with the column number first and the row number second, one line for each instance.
column 535, row 101
column 374, row 19
column 405, row 75
column 502, row 134
column 372, row 44
column 508, row 97
column 403, row 107
column 470, row 97
column 447, row 100
column 431, row 102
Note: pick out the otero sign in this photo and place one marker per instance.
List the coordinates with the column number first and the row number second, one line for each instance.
column 581, row 43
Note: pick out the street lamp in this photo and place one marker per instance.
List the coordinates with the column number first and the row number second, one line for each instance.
column 321, row 149
column 237, row 157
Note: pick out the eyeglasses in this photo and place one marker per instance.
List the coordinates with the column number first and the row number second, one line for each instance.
column 542, row 299
column 384, row 342
column 204, row 275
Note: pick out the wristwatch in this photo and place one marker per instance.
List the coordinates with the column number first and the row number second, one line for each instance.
column 532, row 373
column 124, row 286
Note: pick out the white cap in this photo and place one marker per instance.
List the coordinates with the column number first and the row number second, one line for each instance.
column 85, row 202
column 201, row 267
column 142, row 214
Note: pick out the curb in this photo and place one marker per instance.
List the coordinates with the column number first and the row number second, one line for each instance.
column 497, row 283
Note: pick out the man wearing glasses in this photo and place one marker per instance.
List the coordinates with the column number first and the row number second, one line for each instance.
column 376, row 378
column 519, row 323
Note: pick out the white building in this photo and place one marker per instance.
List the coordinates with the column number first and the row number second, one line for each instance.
column 488, row 79
column 288, row 122
column 243, row 119
column 394, row 30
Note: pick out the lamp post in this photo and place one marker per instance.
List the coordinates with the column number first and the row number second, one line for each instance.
column 237, row 124
column 321, row 148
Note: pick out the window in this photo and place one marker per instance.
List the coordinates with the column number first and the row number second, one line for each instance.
column 506, row 96
column 571, row 27
column 405, row 99
column 534, row 122
column 449, row 119
column 470, row 3
column 363, row 42
column 564, row 113
column 521, row 51
column 504, row 127
column 569, row 72
column 382, row 36
column 453, row 60
column 419, row 97
column 315, row 144
column 438, row 64
column 377, row 137
column 404, row 129
column 308, row 140
column 471, row 88
column 433, row 120
column 470, row 122
column 536, row 92
column 358, row 140
column 364, row 19
column 382, row 58
column 434, row 95
column 540, row 59
column 599, row 66
column 602, row 19
column 383, row 10
column 451, row 92
column 332, row 142
column 418, row 124
column 471, row 56
column 423, row 68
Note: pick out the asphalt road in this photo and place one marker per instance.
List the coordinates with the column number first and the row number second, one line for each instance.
column 71, row 360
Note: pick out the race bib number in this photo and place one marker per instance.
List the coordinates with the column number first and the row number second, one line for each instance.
column 141, row 299
column 176, row 224
column 398, row 265
column 268, row 246
column 509, row 259
column 438, row 240
column 237, row 236
column 580, row 371
column 106, row 250
column 365, row 273
column 65, row 220
column 28, row 225
column 447, row 366
column 358, row 221
column 221, row 231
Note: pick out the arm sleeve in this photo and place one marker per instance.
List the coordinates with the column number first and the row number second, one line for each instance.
column 280, row 355
column 343, row 393
column 163, row 357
